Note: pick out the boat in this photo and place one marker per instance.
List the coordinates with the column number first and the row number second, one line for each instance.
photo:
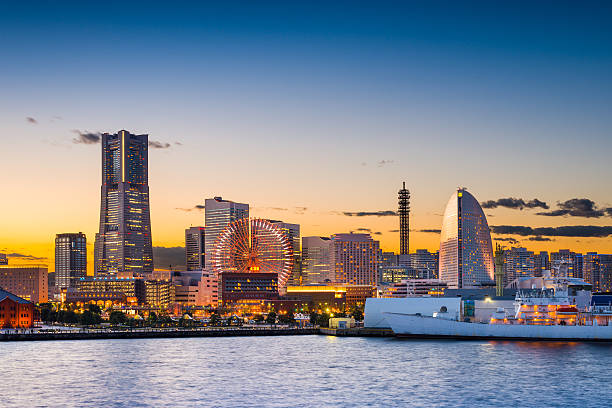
column 557, row 312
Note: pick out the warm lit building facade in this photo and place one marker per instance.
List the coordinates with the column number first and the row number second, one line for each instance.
column 123, row 243
column 26, row 281
column 218, row 214
column 194, row 248
column 15, row 312
column 571, row 259
column 518, row 263
column 317, row 260
column 466, row 251
column 355, row 259
column 541, row 263
column 208, row 289
column 132, row 288
column 159, row 293
column 597, row 270
column 3, row 259
column 235, row 287
column 70, row 259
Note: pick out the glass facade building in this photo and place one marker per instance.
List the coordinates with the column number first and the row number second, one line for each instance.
column 194, row 248
column 466, row 251
column 316, row 260
column 70, row 259
column 123, row 243
column 218, row 214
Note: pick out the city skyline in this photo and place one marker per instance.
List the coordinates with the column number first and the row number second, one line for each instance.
column 281, row 123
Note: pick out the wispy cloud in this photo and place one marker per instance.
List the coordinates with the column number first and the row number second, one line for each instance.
column 383, row 213
column 31, row 120
column 432, row 231
column 594, row 231
column 197, row 207
column 510, row 240
column 26, row 257
column 383, row 162
column 86, row 137
column 514, row 203
column 578, row 207
column 159, row 145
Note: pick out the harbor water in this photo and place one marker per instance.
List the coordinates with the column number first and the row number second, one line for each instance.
column 303, row 371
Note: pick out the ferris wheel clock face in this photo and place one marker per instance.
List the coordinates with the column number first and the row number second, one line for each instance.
column 253, row 246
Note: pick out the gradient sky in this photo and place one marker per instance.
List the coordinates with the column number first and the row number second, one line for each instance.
column 307, row 111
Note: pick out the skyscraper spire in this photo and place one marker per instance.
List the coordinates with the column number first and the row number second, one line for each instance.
column 403, row 197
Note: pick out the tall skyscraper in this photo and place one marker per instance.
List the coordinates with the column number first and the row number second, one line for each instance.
column 70, row 259
column 292, row 231
column 194, row 248
column 466, row 252
column 518, row 262
column 574, row 262
column 316, row 260
column 218, row 214
column 403, row 197
column 541, row 263
column 598, row 271
column 355, row 259
column 123, row 243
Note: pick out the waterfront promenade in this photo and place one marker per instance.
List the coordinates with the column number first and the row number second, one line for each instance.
column 140, row 333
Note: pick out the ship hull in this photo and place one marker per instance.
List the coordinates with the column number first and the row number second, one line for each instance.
column 406, row 325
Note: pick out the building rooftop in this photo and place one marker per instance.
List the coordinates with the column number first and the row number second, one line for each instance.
column 5, row 294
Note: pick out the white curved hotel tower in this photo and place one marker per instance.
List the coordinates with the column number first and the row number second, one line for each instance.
column 466, row 252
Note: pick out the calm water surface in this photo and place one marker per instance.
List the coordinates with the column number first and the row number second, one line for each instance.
column 306, row 371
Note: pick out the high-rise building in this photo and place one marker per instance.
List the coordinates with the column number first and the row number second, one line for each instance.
column 518, row 263
column 355, row 259
column 541, row 263
column 26, row 281
column 403, row 198
column 316, row 260
column 466, row 251
column 3, row 259
column 123, row 243
column 70, row 259
column 573, row 260
column 598, row 271
column 425, row 263
column 292, row 231
column 218, row 214
column 194, row 248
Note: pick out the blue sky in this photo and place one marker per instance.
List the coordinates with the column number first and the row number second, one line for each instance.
column 326, row 106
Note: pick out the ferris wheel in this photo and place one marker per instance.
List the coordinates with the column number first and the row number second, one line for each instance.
column 253, row 246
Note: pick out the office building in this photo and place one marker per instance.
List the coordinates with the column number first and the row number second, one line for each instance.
column 389, row 274
column 123, row 243
column 132, row 288
column 316, row 260
column 159, row 293
column 518, row 263
column 466, row 251
column 597, row 270
column 541, row 263
column 70, row 259
column 218, row 214
column 26, row 281
column 292, row 232
column 237, row 287
column 425, row 263
column 573, row 260
column 194, row 248
column 355, row 259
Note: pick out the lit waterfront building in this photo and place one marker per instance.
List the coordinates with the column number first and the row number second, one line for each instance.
column 597, row 270
column 395, row 274
column 26, row 281
column 15, row 312
column 466, row 251
column 194, row 248
column 132, row 288
column 218, row 214
column 159, row 293
column 355, row 259
column 123, row 243
column 292, row 231
column 518, row 263
column 541, row 263
column 70, row 259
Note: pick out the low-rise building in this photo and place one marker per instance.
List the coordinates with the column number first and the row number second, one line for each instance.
column 132, row 288
column 15, row 312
